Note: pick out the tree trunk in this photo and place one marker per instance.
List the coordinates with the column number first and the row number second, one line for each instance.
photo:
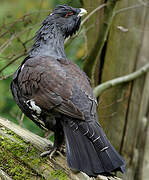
column 121, row 47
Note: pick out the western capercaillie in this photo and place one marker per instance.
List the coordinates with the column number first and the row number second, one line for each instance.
column 54, row 93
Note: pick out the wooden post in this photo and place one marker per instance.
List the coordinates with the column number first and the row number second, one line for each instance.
column 121, row 47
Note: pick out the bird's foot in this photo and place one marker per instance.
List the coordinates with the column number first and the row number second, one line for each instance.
column 63, row 149
column 61, row 154
column 52, row 152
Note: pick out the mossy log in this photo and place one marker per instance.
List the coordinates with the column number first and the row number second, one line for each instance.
column 20, row 157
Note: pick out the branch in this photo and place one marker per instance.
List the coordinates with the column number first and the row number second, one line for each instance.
column 5, row 77
column 6, row 44
column 13, row 60
column 3, row 174
column 143, row 4
column 23, row 148
column 114, row 82
column 92, row 12
column 10, row 25
column 15, row 36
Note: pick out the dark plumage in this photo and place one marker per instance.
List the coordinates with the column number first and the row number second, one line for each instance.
column 54, row 93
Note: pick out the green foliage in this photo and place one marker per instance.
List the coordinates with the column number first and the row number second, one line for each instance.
column 19, row 21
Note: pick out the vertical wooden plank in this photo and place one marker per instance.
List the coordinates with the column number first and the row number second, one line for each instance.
column 145, row 167
column 124, row 49
column 120, row 60
column 119, row 107
column 93, row 23
column 144, row 170
column 140, row 139
column 93, row 27
column 97, row 41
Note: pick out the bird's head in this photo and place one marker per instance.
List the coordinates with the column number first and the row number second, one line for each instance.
column 67, row 19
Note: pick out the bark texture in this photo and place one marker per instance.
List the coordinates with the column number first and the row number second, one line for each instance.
column 20, row 157
column 120, row 48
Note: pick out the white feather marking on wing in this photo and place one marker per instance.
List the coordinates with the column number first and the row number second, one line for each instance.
column 33, row 106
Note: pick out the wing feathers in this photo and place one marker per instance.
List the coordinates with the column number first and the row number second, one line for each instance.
column 46, row 81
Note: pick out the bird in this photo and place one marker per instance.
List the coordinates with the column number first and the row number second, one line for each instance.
column 57, row 95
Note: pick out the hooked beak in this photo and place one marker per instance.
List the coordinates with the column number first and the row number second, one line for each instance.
column 82, row 12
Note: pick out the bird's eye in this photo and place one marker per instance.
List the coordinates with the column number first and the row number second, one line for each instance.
column 68, row 14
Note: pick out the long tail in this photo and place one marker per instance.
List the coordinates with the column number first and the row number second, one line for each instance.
column 89, row 150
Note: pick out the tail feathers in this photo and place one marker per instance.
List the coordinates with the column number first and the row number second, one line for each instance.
column 109, row 157
column 88, row 149
column 81, row 154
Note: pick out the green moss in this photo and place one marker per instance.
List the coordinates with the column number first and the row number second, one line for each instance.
column 58, row 175
column 15, row 169
column 11, row 154
column 22, row 161
column 20, row 148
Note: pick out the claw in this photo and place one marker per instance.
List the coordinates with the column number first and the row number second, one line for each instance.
column 60, row 153
column 45, row 153
column 53, row 151
column 62, row 150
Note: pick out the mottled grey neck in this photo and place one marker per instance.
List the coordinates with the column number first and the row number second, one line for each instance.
column 49, row 41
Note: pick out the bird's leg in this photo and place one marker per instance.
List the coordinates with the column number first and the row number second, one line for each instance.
column 58, row 141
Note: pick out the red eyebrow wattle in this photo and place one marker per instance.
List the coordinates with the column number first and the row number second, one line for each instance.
column 69, row 14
